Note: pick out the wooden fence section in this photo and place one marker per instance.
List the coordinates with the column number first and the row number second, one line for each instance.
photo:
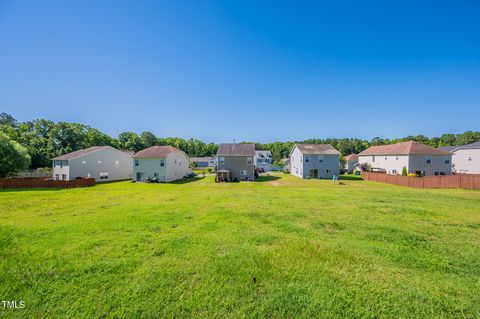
column 43, row 183
column 441, row 181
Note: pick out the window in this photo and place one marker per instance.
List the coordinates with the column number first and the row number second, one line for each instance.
column 57, row 177
column 321, row 158
column 327, row 171
column 386, row 158
column 249, row 160
column 221, row 160
column 156, row 175
column 64, row 177
column 428, row 159
column 396, row 158
column 136, row 162
column 162, row 163
column 446, row 160
column 394, row 171
column 61, row 164
column 180, row 162
column 103, row 175
column 373, row 158
column 116, row 163
column 243, row 172
column 469, row 158
column 306, row 158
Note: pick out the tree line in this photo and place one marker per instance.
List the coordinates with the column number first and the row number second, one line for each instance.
column 44, row 139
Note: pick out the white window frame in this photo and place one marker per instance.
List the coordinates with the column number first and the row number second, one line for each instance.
column 249, row 160
column 446, row 160
column 373, row 158
column 321, row 158
column 162, row 163
column 221, row 160
column 306, row 159
column 136, row 162
column 243, row 172
column 428, row 159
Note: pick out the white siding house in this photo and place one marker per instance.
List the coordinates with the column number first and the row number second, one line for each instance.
column 466, row 158
column 263, row 160
column 417, row 158
column 351, row 162
column 104, row 163
column 314, row 161
column 162, row 163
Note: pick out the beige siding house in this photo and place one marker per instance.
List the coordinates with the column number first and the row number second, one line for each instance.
column 350, row 162
column 235, row 162
column 314, row 161
column 160, row 164
column 465, row 159
column 417, row 158
column 104, row 163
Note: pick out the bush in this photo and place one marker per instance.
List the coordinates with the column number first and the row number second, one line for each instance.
column 404, row 171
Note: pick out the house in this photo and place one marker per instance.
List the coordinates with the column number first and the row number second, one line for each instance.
column 235, row 162
column 314, row 161
column 285, row 164
column 465, row 159
column 161, row 163
column 104, row 163
column 263, row 160
column 203, row 161
column 416, row 157
column 350, row 162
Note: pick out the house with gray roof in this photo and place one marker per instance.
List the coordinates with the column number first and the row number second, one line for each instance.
column 465, row 159
column 263, row 160
column 202, row 162
column 235, row 162
column 104, row 163
column 314, row 161
column 160, row 164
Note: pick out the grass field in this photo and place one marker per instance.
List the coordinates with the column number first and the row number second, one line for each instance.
column 277, row 248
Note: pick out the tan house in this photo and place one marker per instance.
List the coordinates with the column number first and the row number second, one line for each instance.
column 350, row 162
column 465, row 159
column 416, row 157
column 235, row 162
column 160, row 164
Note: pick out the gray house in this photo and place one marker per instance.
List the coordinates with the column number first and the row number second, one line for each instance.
column 263, row 160
column 235, row 162
column 314, row 161
column 465, row 159
column 104, row 163
column 162, row 163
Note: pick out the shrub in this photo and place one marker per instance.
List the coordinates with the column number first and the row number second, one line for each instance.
column 404, row 171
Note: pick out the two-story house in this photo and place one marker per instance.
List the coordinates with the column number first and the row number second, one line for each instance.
column 235, row 162
column 160, row 163
column 314, row 161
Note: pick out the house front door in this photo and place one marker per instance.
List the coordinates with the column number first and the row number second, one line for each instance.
column 313, row 173
column 140, row 177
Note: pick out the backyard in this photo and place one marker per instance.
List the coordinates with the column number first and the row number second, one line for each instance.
column 280, row 247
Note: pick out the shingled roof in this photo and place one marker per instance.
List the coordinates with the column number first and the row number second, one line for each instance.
column 232, row 149
column 404, row 148
column 156, row 152
column 351, row 157
column 72, row 155
column 317, row 149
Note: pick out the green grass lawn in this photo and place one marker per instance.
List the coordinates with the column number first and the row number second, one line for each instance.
column 281, row 247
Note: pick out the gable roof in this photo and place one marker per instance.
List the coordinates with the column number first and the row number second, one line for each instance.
column 351, row 157
column 448, row 148
column 233, row 149
column 470, row 146
column 72, row 155
column 404, row 148
column 316, row 149
column 156, row 152
column 263, row 154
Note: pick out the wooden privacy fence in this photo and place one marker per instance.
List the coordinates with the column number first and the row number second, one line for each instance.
column 440, row 181
column 43, row 183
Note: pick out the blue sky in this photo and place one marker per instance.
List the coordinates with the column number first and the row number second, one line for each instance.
column 251, row 70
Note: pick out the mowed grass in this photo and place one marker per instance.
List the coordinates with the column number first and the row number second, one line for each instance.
column 277, row 248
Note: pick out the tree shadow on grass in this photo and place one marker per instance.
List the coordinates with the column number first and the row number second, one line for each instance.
column 267, row 178
column 351, row 178
column 187, row 180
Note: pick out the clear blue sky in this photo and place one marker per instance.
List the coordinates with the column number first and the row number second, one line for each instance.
column 250, row 70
